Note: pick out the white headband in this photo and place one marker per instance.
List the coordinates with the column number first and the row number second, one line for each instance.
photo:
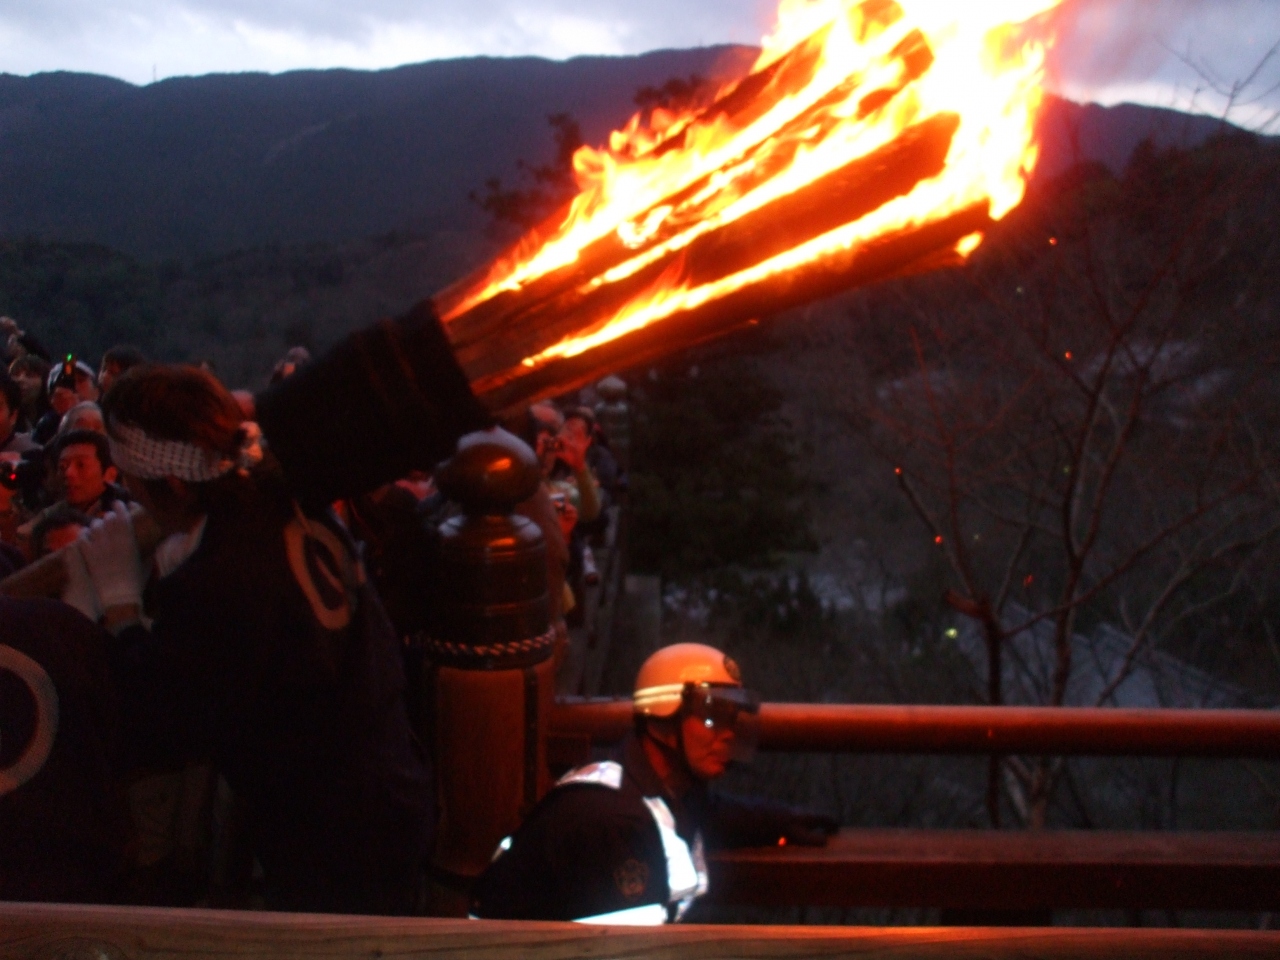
column 144, row 457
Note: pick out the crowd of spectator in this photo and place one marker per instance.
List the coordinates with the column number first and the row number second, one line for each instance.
column 56, row 473
column 224, row 818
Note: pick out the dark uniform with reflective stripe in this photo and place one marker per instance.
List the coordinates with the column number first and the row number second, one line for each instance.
column 587, row 849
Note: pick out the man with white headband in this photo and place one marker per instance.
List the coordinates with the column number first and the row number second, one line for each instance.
column 624, row 843
column 268, row 651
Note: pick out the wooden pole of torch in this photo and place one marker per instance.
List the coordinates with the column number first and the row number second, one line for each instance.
column 840, row 197
column 510, row 311
column 926, row 248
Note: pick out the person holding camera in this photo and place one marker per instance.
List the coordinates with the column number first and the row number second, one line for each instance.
column 10, row 514
column 12, row 451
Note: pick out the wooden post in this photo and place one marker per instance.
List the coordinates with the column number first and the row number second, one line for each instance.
column 492, row 679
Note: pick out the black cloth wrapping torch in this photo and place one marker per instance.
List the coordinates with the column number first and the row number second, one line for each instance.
column 388, row 399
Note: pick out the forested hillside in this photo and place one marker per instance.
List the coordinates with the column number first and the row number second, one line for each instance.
column 200, row 166
column 196, row 166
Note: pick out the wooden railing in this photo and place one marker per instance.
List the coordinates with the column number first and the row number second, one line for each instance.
column 1034, row 731
column 50, row 932
column 997, row 871
column 979, row 870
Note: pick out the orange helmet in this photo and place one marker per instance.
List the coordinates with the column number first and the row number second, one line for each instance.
column 663, row 679
column 702, row 682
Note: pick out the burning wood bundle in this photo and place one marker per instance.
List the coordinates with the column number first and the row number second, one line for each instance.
column 872, row 138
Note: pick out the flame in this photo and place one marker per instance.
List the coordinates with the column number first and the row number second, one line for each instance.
column 671, row 177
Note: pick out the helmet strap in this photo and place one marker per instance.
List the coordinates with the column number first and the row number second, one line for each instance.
column 674, row 754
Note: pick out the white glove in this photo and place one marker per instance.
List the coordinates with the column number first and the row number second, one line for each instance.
column 111, row 554
column 79, row 591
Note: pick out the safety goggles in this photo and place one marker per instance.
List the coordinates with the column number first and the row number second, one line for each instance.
column 727, row 708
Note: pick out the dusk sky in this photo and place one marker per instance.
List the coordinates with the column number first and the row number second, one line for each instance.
column 1110, row 50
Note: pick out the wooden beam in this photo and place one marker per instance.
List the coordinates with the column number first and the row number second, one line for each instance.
column 974, row 730
column 497, row 335
column 738, row 106
column 927, row 247
column 55, row 932
column 1009, row 870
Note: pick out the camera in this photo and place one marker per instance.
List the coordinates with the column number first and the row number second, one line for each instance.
column 24, row 477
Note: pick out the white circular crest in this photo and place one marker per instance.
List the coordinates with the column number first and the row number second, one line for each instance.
column 45, row 694
column 333, row 614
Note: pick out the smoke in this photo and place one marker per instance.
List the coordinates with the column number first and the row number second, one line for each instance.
column 1180, row 53
column 1105, row 41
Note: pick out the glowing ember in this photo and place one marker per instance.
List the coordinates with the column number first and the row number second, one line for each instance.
column 838, row 82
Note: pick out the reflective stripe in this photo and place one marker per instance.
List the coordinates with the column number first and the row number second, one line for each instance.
column 503, row 846
column 607, row 773
column 686, row 870
column 650, row 915
column 661, row 695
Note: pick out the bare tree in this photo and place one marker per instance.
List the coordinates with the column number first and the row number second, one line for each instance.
column 1085, row 419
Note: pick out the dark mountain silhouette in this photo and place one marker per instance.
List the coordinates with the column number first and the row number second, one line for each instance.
column 202, row 165
column 198, row 166
column 1072, row 133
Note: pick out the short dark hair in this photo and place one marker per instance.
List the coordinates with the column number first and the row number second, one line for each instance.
column 34, row 347
column 123, row 357
column 60, row 515
column 12, row 392
column 30, row 363
column 90, row 438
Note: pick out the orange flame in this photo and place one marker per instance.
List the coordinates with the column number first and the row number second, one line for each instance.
column 670, row 178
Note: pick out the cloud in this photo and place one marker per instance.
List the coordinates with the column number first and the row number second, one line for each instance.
column 126, row 38
column 1108, row 50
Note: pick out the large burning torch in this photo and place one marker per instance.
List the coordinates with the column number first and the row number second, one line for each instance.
column 872, row 138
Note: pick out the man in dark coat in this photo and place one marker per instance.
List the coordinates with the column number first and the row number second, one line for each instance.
column 269, row 651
